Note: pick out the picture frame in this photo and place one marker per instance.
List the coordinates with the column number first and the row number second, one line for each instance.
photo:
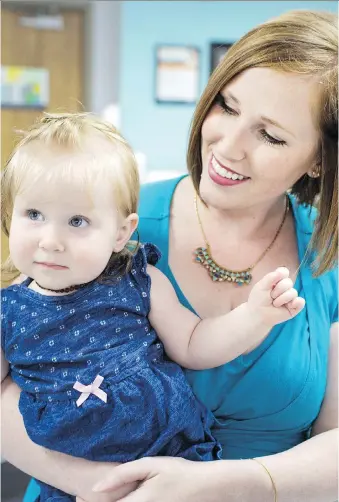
column 24, row 87
column 217, row 52
column 177, row 69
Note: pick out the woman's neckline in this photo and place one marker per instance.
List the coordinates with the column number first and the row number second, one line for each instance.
column 297, row 226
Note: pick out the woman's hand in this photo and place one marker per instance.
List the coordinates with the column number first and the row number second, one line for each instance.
column 118, row 494
column 168, row 480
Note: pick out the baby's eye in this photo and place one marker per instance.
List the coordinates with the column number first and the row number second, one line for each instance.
column 34, row 215
column 78, row 222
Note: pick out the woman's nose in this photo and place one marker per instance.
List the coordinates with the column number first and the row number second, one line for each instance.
column 232, row 144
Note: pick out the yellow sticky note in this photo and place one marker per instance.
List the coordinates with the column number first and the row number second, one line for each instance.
column 13, row 73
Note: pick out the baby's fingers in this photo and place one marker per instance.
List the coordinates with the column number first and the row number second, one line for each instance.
column 296, row 306
column 281, row 287
column 285, row 298
column 270, row 280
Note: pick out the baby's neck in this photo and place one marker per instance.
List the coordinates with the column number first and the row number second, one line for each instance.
column 33, row 285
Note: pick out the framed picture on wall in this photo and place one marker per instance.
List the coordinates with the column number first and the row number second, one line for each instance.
column 176, row 74
column 218, row 51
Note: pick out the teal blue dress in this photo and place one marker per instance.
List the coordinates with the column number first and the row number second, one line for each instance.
column 266, row 401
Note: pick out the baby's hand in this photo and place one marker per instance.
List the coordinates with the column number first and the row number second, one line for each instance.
column 274, row 299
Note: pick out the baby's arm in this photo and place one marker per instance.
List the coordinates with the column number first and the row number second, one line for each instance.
column 200, row 344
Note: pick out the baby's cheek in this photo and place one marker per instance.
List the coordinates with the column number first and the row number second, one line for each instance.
column 23, row 259
column 19, row 249
column 91, row 260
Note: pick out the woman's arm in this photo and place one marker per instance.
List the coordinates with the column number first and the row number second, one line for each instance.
column 72, row 475
column 305, row 473
column 328, row 416
column 319, row 455
column 309, row 472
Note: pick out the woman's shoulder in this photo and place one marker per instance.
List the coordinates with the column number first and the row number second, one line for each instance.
column 304, row 215
column 329, row 286
column 154, row 211
column 325, row 286
column 155, row 198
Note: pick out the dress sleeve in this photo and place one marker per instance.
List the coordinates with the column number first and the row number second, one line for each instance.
column 147, row 253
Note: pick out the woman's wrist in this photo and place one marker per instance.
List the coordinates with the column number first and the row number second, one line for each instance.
column 88, row 475
column 95, row 472
column 269, row 474
column 243, row 481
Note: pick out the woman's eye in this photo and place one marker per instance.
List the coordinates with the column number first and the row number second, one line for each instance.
column 270, row 139
column 220, row 101
column 78, row 222
column 34, row 215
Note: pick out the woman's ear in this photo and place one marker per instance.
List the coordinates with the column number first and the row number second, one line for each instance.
column 127, row 227
column 315, row 171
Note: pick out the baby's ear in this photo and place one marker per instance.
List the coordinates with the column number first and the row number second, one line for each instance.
column 127, row 227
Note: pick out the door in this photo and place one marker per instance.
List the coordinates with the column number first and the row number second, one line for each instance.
column 60, row 51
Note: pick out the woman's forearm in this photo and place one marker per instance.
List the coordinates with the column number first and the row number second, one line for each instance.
column 72, row 475
column 305, row 473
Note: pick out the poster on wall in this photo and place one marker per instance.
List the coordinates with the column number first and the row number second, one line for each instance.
column 177, row 74
column 24, row 87
column 218, row 51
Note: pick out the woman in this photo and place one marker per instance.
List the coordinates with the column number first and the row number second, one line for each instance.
column 266, row 124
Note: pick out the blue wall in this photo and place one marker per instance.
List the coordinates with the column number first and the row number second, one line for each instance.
column 161, row 131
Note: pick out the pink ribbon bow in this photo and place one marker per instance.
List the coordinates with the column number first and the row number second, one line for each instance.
column 87, row 390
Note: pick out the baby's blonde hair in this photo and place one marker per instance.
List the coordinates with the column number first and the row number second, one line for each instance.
column 73, row 132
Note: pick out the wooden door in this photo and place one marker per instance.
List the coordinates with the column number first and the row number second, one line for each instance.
column 60, row 52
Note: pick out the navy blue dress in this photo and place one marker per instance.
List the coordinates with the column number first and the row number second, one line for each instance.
column 139, row 404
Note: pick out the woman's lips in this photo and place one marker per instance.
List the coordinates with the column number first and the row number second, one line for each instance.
column 222, row 180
